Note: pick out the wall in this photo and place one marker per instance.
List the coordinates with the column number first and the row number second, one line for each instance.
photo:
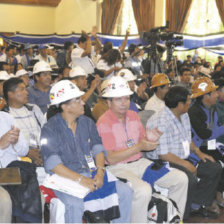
column 70, row 15
column 75, row 15
column 27, row 19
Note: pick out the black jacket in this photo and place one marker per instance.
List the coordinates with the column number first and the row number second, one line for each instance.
column 26, row 200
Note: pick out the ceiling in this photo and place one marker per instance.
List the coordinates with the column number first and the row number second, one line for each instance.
column 52, row 3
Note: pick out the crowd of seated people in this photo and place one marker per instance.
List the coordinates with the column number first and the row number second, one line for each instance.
column 89, row 113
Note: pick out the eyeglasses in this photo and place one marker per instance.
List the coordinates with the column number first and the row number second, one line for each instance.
column 76, row 100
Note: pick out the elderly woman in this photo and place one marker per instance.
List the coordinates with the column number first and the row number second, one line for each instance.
column 72, row 148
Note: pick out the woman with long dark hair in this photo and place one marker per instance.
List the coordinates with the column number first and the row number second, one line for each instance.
column 110, row 63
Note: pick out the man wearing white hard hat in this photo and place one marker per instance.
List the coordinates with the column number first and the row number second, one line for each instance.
column 130, row 78
column 39, row 92
column 123, row 136
column 79, row 77
column 23, row 75
column 71, row 148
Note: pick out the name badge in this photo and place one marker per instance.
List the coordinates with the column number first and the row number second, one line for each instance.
column 130, row 143
column 90, row 162
column 212, row 144
column 186, row 147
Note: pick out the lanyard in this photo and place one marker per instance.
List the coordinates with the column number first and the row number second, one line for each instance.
column 125, row 130
column 28, row 59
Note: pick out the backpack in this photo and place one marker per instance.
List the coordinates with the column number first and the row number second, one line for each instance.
column 162, row 210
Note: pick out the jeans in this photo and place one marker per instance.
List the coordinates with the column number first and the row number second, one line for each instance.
column 74, row 207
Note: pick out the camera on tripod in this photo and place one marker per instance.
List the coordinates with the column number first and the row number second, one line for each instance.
column 155, row 34
column 161, row 34
column 174, row 41
column 154, row 63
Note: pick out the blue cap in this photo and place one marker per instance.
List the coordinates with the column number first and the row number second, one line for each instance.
column 43, row 46
column 27, row 46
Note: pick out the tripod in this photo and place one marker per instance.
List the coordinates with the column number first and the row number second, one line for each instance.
column 170, row 58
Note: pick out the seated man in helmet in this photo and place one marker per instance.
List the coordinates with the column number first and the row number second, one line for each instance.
column 220, row 102
column 130, row 78
column 101, row 106
column 123, row 136
column 160, row 85
column 204, row 122
column 72, row 148
column 39, row 93
column 177, row 147
column 79, row 77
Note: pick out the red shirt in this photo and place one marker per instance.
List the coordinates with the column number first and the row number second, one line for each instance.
column 115, row 134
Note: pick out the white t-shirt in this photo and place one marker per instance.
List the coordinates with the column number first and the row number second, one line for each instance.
column 18, row 58
column 102, row 65
column 50, row 60
column 85, row 62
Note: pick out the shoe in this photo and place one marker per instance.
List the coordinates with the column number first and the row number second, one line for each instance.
column 204, row 212
column 220, row 203
column 219, row 199
column 214, row 207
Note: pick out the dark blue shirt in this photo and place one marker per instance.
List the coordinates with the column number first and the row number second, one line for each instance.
column 60, row 146
column 39, row 98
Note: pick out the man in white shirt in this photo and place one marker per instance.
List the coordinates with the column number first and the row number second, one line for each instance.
column 43, row 56
column 28, row 117
column 12, row 145
column 160, row 85
column 82, row 53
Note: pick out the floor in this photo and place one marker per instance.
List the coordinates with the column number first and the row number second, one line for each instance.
column 198, row 219
column 195, row 219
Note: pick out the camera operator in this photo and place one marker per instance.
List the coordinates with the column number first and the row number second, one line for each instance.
column 134, row 61
column 154, row 64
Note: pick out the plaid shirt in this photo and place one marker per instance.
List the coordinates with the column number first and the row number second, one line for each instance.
column 174, row 133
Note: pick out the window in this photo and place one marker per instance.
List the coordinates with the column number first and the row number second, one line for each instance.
column 203, row 19
column 126, row 19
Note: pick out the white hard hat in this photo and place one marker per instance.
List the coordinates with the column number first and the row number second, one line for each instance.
column 4, row 75
column 21, row 73
column 77, row 71
column 64, row 90
column 41, row 66
column 117, row 87
column 127, row 75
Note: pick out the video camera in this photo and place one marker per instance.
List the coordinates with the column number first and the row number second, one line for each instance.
column 160, row 34
column 174, row 41
column 155, row 34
